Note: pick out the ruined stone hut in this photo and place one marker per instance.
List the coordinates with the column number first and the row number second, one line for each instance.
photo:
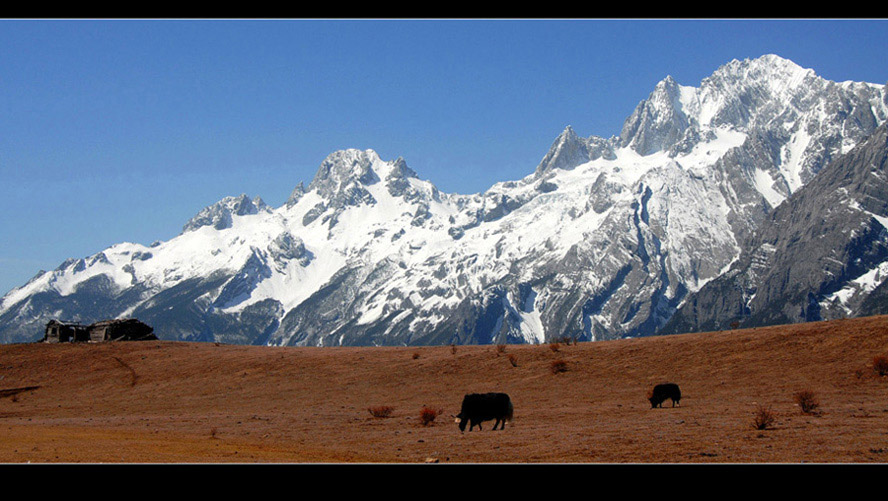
column 65, row 332
column 127, row 329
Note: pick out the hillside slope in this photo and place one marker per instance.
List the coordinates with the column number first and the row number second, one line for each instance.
column 159, row 401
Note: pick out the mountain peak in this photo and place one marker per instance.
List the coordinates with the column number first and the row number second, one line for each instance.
column 400, row 169
column 344, row 166
column 668, row 84
column 219, row 214
column 296, row 194
column 657, row 122
column 567, row 138
column 567, row 151
column 763, row 61
column 348, row 169
column 769, row 70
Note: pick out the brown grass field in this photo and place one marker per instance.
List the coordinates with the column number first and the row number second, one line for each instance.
column 173, row 402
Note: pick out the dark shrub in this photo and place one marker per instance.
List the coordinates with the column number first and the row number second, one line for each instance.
column 558, row 366
column 382, row 411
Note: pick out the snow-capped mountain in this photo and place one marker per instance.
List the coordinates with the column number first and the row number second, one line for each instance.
column 823, row 254
column 605, row 239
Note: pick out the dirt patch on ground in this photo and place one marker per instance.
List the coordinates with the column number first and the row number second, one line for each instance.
column 156, row 401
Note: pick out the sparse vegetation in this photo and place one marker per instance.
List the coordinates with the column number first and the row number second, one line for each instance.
column 427, row 415
column 381, row 411
column 558, row 366
column 880, row 365
column 513, row 360
column 213, row 432
column 453, row 349
column 763, row 418
column 555, row 347
column 807, row 401
column 415, row 355
column 316, row 409
column 500, row 348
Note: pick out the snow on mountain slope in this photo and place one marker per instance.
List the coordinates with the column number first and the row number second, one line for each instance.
column 604, row 239
column 823, row 254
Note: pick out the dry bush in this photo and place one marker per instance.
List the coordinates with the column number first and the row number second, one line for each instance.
column 500, row 348
column 453, row 349
column 880, row 365
column 555, row 347
column 513, row 360
column 807, row 401
column 213, row 432
column 558, row 366
column 381, row 411
column 763, row 418
column 415, row 356
column 427, row 415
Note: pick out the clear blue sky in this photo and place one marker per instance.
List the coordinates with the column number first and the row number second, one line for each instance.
column 121, row 130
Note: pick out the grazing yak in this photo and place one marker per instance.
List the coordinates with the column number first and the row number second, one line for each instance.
column 479, row 407
column 663, row 391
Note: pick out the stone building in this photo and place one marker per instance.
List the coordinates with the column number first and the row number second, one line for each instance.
column 127, row 329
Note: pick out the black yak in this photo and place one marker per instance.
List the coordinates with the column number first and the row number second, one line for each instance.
column 479, row 407
column 663, row 391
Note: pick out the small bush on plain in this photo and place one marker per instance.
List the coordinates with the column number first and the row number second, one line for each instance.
column 558, row 366
column 381, row 411
column 807, row 401
column 763, row 418
column 428, row 414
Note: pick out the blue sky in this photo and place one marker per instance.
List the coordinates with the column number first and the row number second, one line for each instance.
column 121, row 130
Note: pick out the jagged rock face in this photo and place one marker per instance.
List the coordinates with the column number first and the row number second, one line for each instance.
column 570, row 150
column 607, row 238
column 286, row 247
column 219, row 214
column 658, row 122
column 817, row 256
